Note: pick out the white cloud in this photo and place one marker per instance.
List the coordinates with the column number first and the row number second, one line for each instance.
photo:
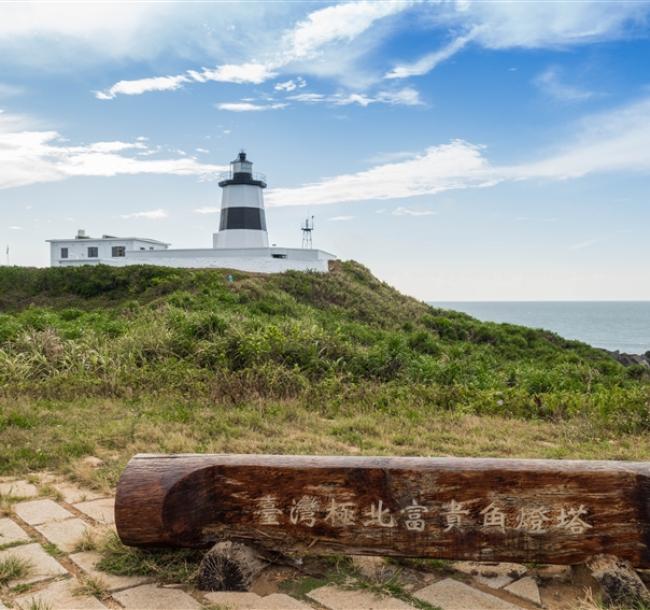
column 549, row 82
column 158, row 214
column 291, row 84
column 455, row 165
column 402, row 211
column 616, row 140
column 431, row 60
column 341, row 218
column 339, row 23
column 249, row 107
column 29, row 156
column 207, row 210
column 142, row 85
column 15, row 228
column 306, row 40
column 202, row 151
column 401, row 97
column 234, row 73
column 505, row 25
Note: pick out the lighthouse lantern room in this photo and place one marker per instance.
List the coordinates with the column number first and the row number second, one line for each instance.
column 243, row 221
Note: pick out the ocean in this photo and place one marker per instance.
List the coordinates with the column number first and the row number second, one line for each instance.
column 613, row 325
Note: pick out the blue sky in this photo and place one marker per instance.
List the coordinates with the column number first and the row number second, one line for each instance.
column 461, row 150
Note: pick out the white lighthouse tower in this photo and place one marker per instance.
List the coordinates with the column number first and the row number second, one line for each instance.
column 243, row 221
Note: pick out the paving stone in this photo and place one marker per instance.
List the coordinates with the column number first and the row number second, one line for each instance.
column 150, row 597
column 36, row 512
column 18, row 489
column 65, row 534
column 343, row 599
column 526, row 588
column 234, row 600
column 102, row 511
column 42, row 566
column 449, row 594
column 73, row 494
column 87, row 562
column 11, row 532
column 59, row 595
column 280, row 601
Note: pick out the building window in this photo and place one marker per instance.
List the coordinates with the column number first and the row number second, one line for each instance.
column 150, row 248
column 93, row 252
column 118, row 251
column 141, row 248
column 64, row 253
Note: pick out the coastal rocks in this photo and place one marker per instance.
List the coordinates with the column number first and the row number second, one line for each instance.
column 631, row 359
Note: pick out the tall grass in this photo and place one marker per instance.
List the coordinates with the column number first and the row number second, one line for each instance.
column 321, row 339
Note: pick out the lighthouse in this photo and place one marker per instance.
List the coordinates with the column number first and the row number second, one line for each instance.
column 241, row 243
column 243, row 220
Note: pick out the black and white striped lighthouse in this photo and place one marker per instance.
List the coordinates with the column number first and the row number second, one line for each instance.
column 243, row 221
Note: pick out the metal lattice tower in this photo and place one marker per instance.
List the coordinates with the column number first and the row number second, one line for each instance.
column 307, row 230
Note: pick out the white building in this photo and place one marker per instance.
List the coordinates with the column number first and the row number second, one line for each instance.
column 241, row 242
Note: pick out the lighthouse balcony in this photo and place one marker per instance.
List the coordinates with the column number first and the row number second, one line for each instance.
column 230, row 177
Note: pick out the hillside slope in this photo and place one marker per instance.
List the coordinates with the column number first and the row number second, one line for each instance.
column 323, row 339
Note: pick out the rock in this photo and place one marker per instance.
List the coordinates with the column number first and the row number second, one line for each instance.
column 92, row 461
column 619, row 582
column 631, row 359
column 526, row 588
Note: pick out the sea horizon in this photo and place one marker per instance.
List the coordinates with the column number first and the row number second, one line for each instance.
column 620, row 325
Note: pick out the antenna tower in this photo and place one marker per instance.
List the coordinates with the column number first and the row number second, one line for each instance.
column 307, row 230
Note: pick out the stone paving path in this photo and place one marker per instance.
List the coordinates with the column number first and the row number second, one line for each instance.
column 46, row 531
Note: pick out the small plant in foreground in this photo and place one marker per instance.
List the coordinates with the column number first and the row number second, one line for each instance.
column 168, row 566
column 13, row 568
column 87, row 542
column 92, row 587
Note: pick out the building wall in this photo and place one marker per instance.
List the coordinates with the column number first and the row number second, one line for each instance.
column 78, row 250
column 257, row 260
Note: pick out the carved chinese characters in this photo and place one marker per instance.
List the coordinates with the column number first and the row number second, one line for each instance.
column 308, row 510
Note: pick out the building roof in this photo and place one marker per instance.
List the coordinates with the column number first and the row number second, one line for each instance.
column 108, row 238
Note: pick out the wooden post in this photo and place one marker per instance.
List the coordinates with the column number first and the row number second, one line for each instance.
column 545, row 511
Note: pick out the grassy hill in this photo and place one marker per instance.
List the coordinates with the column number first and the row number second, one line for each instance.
column 115, row 359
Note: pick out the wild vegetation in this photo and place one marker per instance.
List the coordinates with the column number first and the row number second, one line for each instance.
column 108, row 359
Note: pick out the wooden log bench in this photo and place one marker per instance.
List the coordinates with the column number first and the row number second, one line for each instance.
column 542, row 511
